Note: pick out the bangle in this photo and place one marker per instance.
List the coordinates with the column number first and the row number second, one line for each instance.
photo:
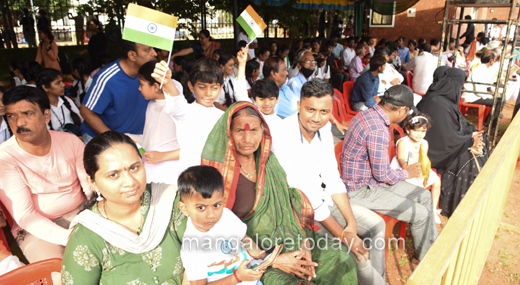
column 341, row 237
column 236, row 277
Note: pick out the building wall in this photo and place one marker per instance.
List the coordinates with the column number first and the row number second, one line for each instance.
column 423, row 25
column 428, row 14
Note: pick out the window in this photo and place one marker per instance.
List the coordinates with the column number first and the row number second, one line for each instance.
column 381, row 21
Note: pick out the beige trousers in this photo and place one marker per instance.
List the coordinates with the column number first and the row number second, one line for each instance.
column 36, row 249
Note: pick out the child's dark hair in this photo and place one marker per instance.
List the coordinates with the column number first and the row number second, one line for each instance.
column 417, row 120
column 251, row 66
column 180, row 61
column 201, row 179
column 146, row 70
column 265, row 88
column 224, row 59
column 206, row 70
column 82, row 66
column 20, row 65
column 219, row 52
column 183, row 79
column 46, row 76
column 33, row 68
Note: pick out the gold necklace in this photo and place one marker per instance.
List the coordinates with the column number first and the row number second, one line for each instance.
column 106, row 215
column 248, row 175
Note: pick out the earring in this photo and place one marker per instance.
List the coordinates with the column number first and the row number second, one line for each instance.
column 99, row 197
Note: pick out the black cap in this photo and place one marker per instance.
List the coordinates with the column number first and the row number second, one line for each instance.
column 399, row 95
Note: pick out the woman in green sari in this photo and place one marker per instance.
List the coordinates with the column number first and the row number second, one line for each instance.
column 132, row 234
column 256, row 190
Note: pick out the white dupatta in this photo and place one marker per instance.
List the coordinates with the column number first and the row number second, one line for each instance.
column 154, row 228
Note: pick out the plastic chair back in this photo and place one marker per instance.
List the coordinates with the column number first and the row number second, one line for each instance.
column 7, row 215
column 483, row 111
column 347, row 90
column 34, row 273
column 391, row 145
column 339, row 111
column 9, row 220
column 337, row 151
column 409, row 79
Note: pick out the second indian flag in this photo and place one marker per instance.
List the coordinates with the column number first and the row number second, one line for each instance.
column 252, row 24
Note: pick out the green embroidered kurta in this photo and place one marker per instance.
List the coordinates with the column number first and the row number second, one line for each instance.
column 89, row 259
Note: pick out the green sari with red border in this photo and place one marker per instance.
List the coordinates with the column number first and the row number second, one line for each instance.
column 280, row 214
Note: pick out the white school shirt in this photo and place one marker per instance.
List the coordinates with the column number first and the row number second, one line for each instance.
column 219, row 250
column 389, row 74
column 274, row 122
column 238, row 89
column 244, row 37
column 423, row 67
column 19, row 82
column 88, row 83
column 347, row 55
column 4, row 131
column 310, row 166
column 160, row 134
column 60, row 115
column 261, row 69
column 482, row 74
column 322, row 72
column 194, row 122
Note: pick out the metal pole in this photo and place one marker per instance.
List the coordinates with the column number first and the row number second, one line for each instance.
column 11, row 32
column 35, row 23
column 235, row 24
column 458, row 35
column 444, row 21
column 501, row 66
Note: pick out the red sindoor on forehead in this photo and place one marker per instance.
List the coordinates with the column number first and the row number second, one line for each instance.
column 247, row 127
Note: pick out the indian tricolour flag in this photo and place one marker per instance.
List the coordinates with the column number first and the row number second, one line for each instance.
column 252, row 24
column 149, row 27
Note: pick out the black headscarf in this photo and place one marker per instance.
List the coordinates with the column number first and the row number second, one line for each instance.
column 450, row 134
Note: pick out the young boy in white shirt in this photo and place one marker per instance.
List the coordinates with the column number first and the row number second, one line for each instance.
column 195, row 121
column 265, row 94
column 215, row 247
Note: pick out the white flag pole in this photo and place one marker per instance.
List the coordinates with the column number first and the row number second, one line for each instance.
column 167, row 64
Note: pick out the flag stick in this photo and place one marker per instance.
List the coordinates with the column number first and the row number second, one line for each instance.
column 167, row 65
column 250, row 42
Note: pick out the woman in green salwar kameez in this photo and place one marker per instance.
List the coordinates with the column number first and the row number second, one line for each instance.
column 134, row 234
column 239, row 146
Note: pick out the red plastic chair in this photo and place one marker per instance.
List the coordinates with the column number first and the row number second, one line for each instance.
column 10, row 222
column 409, row 79
column 389, row 221
column 391, row 146
column 337, row 151
column 339, row 111
column 347, row 90
column 483, row 111
column 34, row 273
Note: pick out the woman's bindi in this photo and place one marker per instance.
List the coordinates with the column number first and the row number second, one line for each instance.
column 247, row 127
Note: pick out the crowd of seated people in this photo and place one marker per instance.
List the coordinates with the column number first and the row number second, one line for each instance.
column 91, row 173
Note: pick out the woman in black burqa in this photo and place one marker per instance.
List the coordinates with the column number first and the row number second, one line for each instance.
column 456, row 150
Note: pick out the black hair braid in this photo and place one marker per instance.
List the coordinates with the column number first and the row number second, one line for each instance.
column 75, row 118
